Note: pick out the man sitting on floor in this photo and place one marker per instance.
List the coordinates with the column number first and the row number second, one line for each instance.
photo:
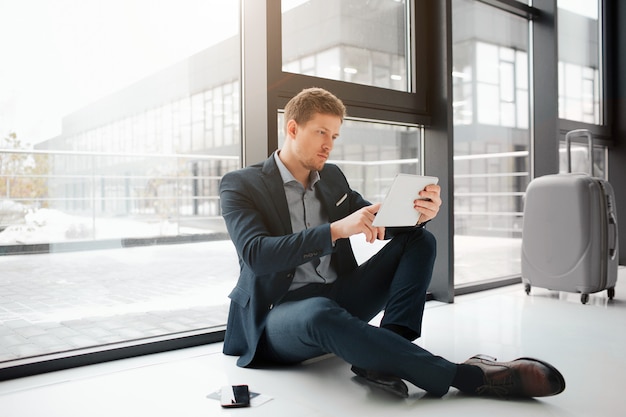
column 301, row 294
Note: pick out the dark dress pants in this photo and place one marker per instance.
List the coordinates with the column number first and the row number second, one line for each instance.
column 333, row 318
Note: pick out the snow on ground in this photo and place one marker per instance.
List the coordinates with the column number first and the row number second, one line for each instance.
column 49, row 225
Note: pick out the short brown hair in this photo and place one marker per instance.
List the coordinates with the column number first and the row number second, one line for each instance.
column 311, row 101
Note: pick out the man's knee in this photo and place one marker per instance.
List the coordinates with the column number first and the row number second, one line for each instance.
column 424, row 242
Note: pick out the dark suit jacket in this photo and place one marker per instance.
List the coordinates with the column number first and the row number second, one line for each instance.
column 255, row 209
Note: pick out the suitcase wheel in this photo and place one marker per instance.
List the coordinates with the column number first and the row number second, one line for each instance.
column 611, row 293
column 584, row 298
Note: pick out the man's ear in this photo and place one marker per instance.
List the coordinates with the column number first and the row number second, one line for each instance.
column 292, row 129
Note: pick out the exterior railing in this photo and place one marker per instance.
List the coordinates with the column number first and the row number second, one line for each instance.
column 179, row 191
column 491, row 203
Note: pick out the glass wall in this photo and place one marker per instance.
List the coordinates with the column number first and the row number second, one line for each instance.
column 492, row 126
column 115, row 210
column 113, row 143
column 491, row 139
column 362, row 42
column 115, row 129
column 581, row 79
column 579, row 61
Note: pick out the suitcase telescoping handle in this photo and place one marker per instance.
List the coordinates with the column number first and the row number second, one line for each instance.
column 584, row 133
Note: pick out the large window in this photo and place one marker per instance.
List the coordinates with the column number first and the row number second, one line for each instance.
column 118, row 120
column 363, row 42
column 581, row 81
column 115, row 143
column 491, row 139
column 365, row 52
column 580, row 69
column 115, row 129
column 371, row 54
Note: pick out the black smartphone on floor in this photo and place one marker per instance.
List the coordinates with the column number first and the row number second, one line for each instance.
column 234, row 396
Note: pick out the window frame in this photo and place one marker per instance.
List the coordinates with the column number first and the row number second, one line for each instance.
column 266, row 88
column 542, row 69
column 363, row 101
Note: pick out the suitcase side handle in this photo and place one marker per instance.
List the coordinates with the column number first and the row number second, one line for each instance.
column 584, row 133
column 613, row 238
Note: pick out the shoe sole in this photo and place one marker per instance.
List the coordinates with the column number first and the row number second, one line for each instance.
column 385, row 387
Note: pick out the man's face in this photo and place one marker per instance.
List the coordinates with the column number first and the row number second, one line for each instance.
column 314, row 140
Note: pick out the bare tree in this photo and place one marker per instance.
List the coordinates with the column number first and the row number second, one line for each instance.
column 23, row 174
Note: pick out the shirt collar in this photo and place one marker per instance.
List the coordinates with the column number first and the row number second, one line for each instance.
column 288, row 177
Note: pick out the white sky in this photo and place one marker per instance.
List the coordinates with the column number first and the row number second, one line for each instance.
column 57, row 56
column 587, row 8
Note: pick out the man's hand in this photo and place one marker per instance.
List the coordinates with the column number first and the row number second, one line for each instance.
column 429, row 208
column 358, row 222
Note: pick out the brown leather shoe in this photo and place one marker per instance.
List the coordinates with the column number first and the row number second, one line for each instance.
column 386, row 382
column 523, row 377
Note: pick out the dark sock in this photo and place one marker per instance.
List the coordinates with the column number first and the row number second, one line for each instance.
column 402, row 331
column 468, row 378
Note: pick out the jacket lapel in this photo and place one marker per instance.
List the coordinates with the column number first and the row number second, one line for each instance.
column 274, row 183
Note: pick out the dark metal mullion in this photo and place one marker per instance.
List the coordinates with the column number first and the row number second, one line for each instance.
column 544, row 95
column 438, row 141
column 363, row 102
column 254, row 72
column 515, row 7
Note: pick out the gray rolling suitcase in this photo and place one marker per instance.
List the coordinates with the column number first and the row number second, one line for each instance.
column 569, row 236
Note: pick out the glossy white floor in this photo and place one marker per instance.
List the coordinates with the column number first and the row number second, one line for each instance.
column 586, row 342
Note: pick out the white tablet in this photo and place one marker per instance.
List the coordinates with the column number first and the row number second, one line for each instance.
column 397, row 209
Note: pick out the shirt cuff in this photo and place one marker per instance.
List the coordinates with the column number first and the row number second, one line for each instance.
column 421, row 225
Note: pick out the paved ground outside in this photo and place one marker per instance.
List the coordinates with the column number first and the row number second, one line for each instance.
column 64, row 301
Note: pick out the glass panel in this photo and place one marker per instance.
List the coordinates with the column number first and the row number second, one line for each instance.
column 491, row 139
column 348, row 40
column 115, row 129
column 370, row 154
column 579, row 61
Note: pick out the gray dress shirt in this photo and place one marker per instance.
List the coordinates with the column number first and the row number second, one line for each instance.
column 306, row 211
